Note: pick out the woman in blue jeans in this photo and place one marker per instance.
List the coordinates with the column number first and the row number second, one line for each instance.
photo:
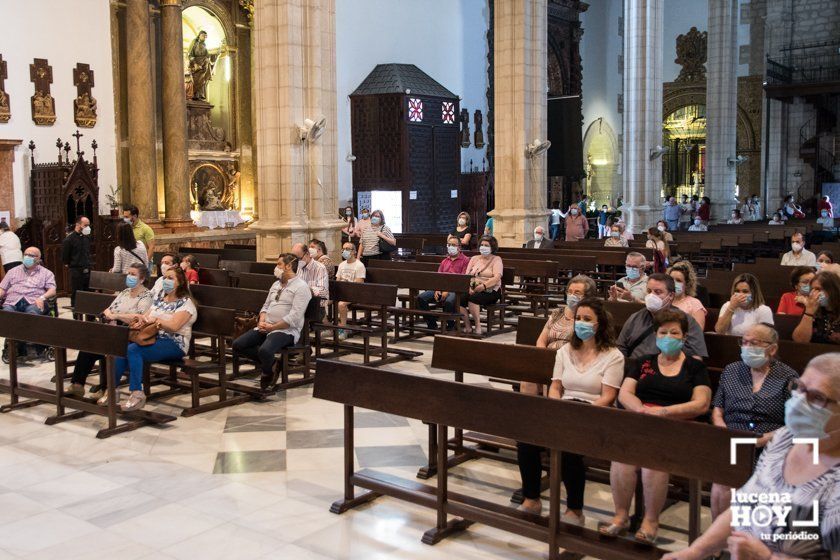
column 174, row 313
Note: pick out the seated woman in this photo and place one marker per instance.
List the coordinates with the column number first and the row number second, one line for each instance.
column 745, row 308
column 685, row 286
column 129, row 304
column 589, row 369
column 318, row 251
column 821, row 319
column 793, row 468
column 667, row 384
column 662, row 226
column 485, row 286
column 793, row 303
column 751, row 396
column 777, row 220
column 824, row 258
column 190, row 268
column 351, row 269
column 463, row 230
column 735, row 218
column 174, row 314
column 698, row 225
column 615, row 239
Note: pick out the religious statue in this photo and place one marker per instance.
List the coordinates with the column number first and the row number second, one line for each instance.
column 691, row 55
column 5, row 109
column 465, row 128
column 479, row 134
column 211, row 198
column 85, row 110
column 200, row 66
column 43, row 108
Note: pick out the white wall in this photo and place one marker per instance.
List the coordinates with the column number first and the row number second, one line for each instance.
column 64, row 32
column 444, row 38
column 600, row 48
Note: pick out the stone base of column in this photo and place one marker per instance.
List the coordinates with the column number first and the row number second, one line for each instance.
column 639, row 218
column 275, row 237
column 179, row 225
column 513, row 227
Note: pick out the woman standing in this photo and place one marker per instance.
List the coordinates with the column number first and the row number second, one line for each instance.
column 661, row 254
column 349, row 225
column 371, row 236
column 685, row 287
column 10, row 252
column 745, row 308
column 128, row 250
column 704, row 211
column 486, row 271
column 462, row 231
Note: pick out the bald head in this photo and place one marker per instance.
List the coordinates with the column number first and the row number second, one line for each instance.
column 33, row 252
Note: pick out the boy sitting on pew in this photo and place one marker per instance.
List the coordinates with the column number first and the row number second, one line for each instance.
column 351, row 269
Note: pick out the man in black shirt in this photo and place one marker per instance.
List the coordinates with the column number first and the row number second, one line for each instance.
column 75, row 254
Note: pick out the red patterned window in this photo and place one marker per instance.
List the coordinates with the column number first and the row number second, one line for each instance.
column 447, row 111
column 415, row 110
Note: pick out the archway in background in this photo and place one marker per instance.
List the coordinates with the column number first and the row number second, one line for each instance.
column 600, row 161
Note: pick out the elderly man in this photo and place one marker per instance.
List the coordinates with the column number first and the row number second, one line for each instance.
column 281, row 318
column 313, row 273
column 539, row 240
column 671, row 214
column 638, row 335
column 798, row 254
column 633, row 286
column 27, row 287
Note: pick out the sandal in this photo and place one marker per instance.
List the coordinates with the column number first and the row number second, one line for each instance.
column 645, row 537
column 613, row 530
column 136, row 400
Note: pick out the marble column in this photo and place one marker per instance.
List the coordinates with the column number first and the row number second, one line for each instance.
column 520, row 106
column 294, row 79
column 141, row 116
column 175, row 170
column 721, row 107
column 642, row 112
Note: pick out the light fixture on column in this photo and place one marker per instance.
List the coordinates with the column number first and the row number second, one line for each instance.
column 732, row 162
column 537, row 147
column 350, row 157
column 308, row 134
column 312, row 130
column 658, row 152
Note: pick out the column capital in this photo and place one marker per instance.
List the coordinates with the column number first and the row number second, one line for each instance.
column 170, row 4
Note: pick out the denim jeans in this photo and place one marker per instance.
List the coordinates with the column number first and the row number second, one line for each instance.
column 554, row 230
column 136, row 356
column 673, row 225
column 23, row 306
column 425, row 298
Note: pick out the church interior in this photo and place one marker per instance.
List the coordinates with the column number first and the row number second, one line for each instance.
column 351, row 279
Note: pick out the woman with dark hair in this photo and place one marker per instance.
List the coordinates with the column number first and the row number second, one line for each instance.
column 559, row 328
column 128, row 250
column 792, row 303
column 821, row 319
column 661, row 254
column 704, row 211
column 348, row 231
column 666, row 384
column 736, row 218
column 486, row 271
column 685, row 290
column 318, row 251
column 462, row 230
column 745, row 308
column 824, row 258
column 174, row 313
column 588, row 369
column 372, row 235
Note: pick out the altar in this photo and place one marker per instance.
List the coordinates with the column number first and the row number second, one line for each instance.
column 214, row 219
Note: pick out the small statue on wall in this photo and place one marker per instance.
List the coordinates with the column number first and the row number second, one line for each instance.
column 84, row 106
column 465, row 128
column 479, row 135
column 5, row 107
column 201, row 67
column 43, row 104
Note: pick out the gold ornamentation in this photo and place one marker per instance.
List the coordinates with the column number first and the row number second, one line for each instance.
column 248, row 7
column 43, row 108
column 84, row 111
column 691, row 55
column 5, row 108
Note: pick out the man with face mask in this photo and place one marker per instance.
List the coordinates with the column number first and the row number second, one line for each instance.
column 75, row 254
column 142, row 232
column 638, row 335
column 313, row 273
column 27, row 287
column 633, row 286
column 539, row 240
column 671, row 214
column 455, row 262
column 798, row 254
column 577, row 226
column 280, row 321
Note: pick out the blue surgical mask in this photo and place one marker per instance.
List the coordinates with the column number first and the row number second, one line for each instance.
column 168, row 285
column 804, row 289
column 679, row 287
column 823, row 299
column 365, row 215
column 574, row 212
column 820, row 265
column 754, row 356
column 375, row 220
column 572, row 300
column 824, row 214
column 131, row 281
column 345, row 254
column 615, row 234
column 748, row 300
column 485, row 250
column 127, row 220
column 28, row 261
column 805, row 420
column 633, row 273
column 583, row 330
column 669, row 345
column 452, row 250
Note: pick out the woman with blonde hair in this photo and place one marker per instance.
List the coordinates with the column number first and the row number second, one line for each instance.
column 685, row 284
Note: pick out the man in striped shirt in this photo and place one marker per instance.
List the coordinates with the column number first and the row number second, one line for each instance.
column 313, row 273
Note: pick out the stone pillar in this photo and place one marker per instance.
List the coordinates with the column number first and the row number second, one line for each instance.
column 520, row 107
column 721, row 106
column 294, row 79
column 141, row 115
column 175, row 171
column 642, row 112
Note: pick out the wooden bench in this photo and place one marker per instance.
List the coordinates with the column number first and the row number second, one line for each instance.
column 63, row 334
column 407, row 265
column 251, row 281
column 110, row 282
column 550, row 423
column 213, row 277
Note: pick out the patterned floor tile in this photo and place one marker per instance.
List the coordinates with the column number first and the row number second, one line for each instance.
column 250, row 461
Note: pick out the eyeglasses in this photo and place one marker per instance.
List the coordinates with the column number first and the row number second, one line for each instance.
column 754, row 343
column 34, row 256
column 814, row 398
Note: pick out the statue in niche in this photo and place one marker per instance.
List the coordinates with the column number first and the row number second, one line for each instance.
column 465, row 128
column 479, row 134
column 201, row 66
column 210, row 195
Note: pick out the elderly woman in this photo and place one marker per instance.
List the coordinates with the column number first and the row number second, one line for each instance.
column 577, row 226
column 808, row 475
column 129, row 304
column 821, row 320
column 485, row 286
column 800, row 279
column 685, row 286
column 752, row 395
column 667, row 384
column 615, row 237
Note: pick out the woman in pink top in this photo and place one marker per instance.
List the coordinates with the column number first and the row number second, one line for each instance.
column 486, row 282
column 577, row 226
column 685, row 283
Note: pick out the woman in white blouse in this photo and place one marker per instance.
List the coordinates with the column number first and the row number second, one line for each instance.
column 589, row 369
column 744, row 309
column 128, row 250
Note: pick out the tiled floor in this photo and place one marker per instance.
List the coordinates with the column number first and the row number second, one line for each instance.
column 252, row 481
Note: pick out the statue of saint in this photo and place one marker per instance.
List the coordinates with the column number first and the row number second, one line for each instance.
column 200, row 66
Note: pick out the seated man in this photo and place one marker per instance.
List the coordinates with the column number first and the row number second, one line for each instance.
column 538, row 242
column 638, row 335
column 313, row 273
column 167, row 261
column 455, row 263
column 27, row 287
column 351, row 269
column 281, row 318
column 798, row 254
column 633, row 286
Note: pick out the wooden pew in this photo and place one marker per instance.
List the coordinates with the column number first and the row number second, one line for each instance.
column 725, row 349
column 63, row 334
column 106, row 281
column 549, row 423
column 250, row 281
column 213, row 277
column 206, row 260
column 231, row 298
column 406, row 265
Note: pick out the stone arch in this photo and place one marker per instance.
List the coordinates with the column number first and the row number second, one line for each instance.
column 601, row 158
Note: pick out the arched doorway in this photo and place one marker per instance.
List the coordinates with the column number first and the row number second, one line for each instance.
column 684, row 165
column 600, row 162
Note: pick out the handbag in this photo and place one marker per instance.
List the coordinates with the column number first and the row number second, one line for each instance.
column 244, row 322
column 142, row 332
column 385, row 247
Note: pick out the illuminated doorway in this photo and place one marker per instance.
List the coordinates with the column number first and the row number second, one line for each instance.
column 684, row 165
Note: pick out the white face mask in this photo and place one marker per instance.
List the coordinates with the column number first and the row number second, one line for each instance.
column 653, row 302
column 574, row 212
column 278, row 272
column 796, row 247
column 462, row 222
column 698, row 222
column 313, row 252
column 164, row 268
column 538, row 236
column 484, row 250
column 86, row 230
column 660, row 228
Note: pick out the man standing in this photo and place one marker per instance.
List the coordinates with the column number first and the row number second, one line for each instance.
column 798, row 254
column 75, row 254
column 142, row 232
column 671, row 214
column 538, row 241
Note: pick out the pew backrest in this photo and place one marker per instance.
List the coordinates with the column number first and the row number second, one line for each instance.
column 213, row 277
column 363, row 293
column 106, row 281
column 88, row 336
column 92, row 303
column 251, row 281
column 419, row 280
column 231, row 298
column 505, row 361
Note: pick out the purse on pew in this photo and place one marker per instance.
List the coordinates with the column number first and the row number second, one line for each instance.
column 244, row 322
column 142, row 332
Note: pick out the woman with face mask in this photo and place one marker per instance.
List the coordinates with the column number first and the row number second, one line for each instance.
column 777, row 220
column 751, row 396
column 824, row 258
column 662, row 227
column 685, row 290
column 347, row 232
column 800, row 279
column 667, row 384
column 577, row 226
column 745, row 308
column 589, row 369
column 661, row 253
column 463, row 230
column 614, row 237
column 486, row 282
column 805, row 478
column 369, row 243
column 318, row 251
column 362, row 223
column 821, row 320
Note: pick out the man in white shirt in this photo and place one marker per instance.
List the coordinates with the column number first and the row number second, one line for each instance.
column 10, row 253
column 281, row 319
column 798, row 255
column 351, row 269
column 556, row 214
column 633, row 286
column 313, row 273
column 539, row 239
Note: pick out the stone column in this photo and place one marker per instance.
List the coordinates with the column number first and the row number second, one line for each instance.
column 520, row 106
column 175, row 172
column 642, row 112
column 721, row 106
column 141, row 115
column 294, row 79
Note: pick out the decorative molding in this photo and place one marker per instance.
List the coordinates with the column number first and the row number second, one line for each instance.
column 84, row 106
column 43, row 104
column 691, row 55
column 5, row 106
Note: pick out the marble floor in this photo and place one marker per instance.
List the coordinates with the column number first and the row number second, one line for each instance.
column 252, row 481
